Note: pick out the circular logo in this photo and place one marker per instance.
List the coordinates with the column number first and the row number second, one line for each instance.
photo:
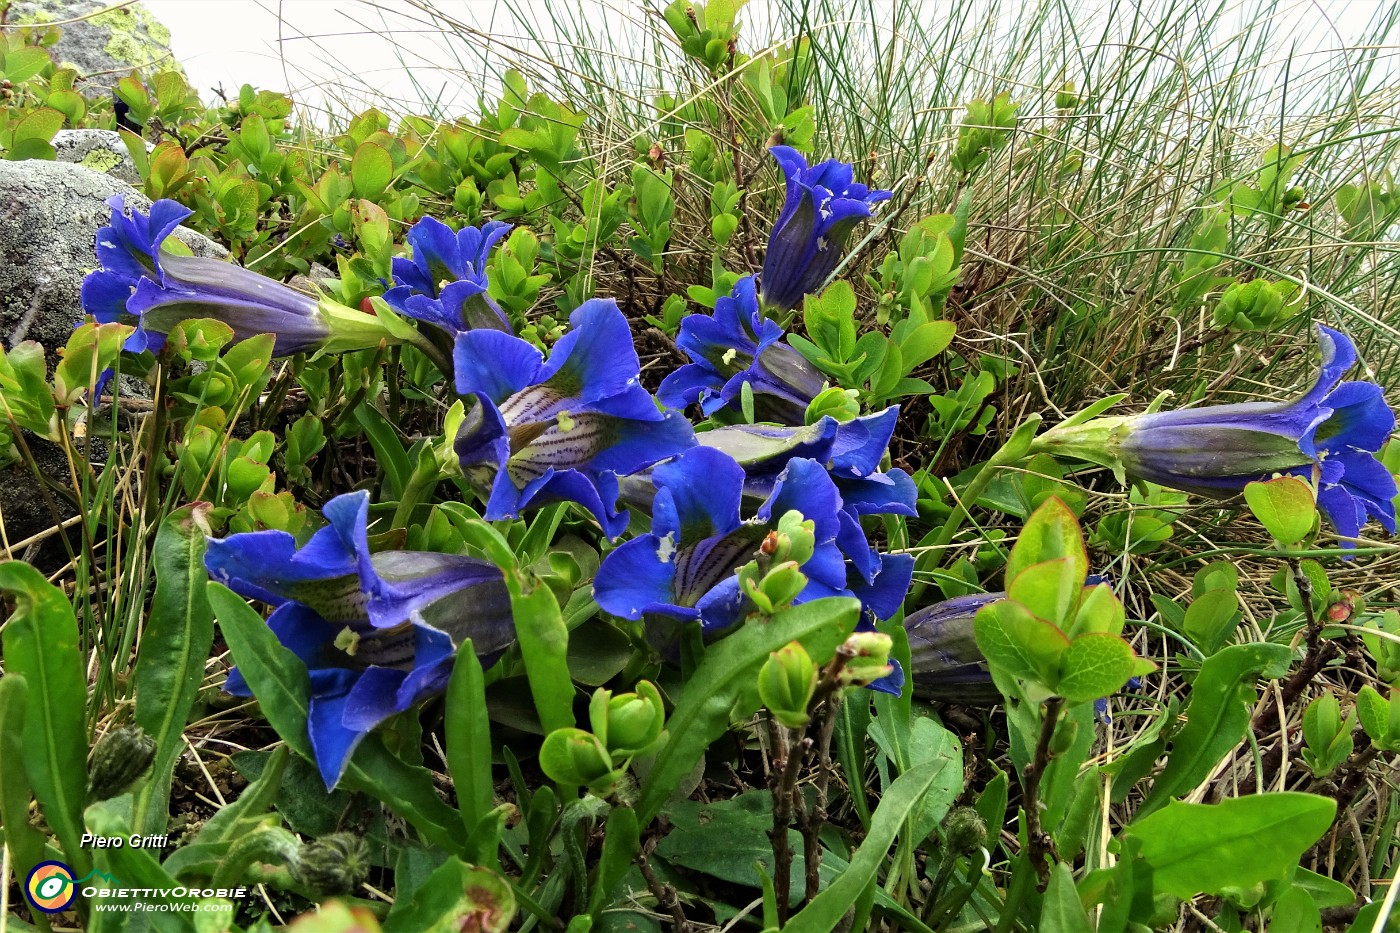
column 50, row 887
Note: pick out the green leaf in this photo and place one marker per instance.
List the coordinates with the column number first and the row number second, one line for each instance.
column 457, row 897
column 282, row 687
column 728, row 675
column 1013, row 639
column 1094, row 665
column 824, row 912
column 1061, row 911
column 1284, row 506
column 39, row 125
column 371, row 170
column 1196, row 848
column 1049, row 589
column 388, row 449
column 1211, row 617
column 467, row 729
column 621, row 843
column 137, row 868
column 174, row 647
column 544, row 646
column 728, row 839
column 26, row 843
column 23, row 63
column 1050, row 533
column 40, row 641
column 1216, row 718
column 202, row 855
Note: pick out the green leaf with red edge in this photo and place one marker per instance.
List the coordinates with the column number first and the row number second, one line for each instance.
column 1049, row 589
column 1095, row 665
column 1052, row 532
column 1013, row 639
column 371, row 170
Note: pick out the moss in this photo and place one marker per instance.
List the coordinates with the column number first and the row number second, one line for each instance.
column 136, row 38
column 101, row 160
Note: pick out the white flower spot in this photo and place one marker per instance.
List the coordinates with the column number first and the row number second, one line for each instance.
column 666, row 550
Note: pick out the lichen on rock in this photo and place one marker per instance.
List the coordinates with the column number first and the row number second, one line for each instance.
column 104, row 46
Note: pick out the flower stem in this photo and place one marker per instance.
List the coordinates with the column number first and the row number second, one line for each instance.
column 1039, row 843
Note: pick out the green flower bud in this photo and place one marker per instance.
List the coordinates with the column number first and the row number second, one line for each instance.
column 870, row 659
column 629, row 724
column 964, row 830
column 121, row 757
column 781, row 585
column 334, row 864
column 572, row 756
column 841, row 404
column 786, row 683
column 796, row 539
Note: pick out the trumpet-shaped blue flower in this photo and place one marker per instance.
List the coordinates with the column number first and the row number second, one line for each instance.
column 737, row 346
column 823, row 206
column 445, row 282
column 1332, row 431
column 685, row 567
column 378, row 632
column 540, row 432
column 160, row 290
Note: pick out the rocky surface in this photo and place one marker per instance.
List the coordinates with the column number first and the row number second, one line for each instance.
column 100, row 150
column 102, row 47
column 49, row 215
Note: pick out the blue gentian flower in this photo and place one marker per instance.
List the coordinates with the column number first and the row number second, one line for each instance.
column 737, row 346
column 160, row 290
column 540, row 432
column 685, row 567
column 378, row 632
column 1331, row 432
column 445, row 281
column 823, row 206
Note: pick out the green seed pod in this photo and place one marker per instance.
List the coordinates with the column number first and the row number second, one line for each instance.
column 121, row 757
column 786, row 683
column 841, row 404
column 332, row 865
column 871, row 659
column 629, row 724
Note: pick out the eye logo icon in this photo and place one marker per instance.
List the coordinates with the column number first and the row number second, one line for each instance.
column 50, row 887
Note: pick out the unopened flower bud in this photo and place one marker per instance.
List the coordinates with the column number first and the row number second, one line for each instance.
column 797, row 538
column 331, row 865
column 572, row 756
column 121, row 757
column 964, row 830
column 870, row 659
column 629, row 724
column 841, row 404
column 786, row 683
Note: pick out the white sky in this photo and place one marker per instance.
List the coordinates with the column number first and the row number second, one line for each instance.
column 304, row 45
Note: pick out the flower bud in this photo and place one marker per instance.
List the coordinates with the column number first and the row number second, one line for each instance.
column 121, row 757
column 331, row 865
column 841, row 404
column 786, row 683
column 964, row 830
column 572, row 756
column 870, row 659
column 796, row 538
column 629, row 724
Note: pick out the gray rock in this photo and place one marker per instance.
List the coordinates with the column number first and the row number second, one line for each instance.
column 100, row 150
column 49, row 215
column 105, row 46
